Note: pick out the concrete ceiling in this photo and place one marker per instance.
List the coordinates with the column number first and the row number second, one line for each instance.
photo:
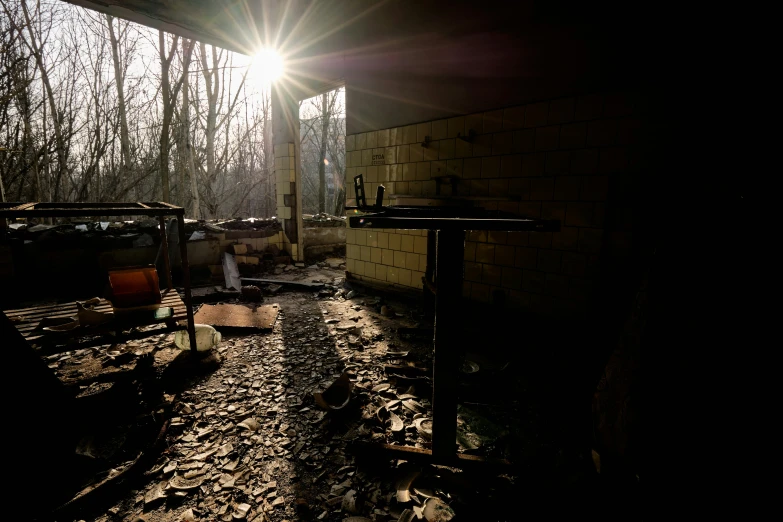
column 404, row 61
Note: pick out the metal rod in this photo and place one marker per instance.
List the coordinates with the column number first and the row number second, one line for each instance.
column 423, row 456
column 453, row 223
column 448, row 273
column 183, row 247
column 164, row 242
column 91, row 212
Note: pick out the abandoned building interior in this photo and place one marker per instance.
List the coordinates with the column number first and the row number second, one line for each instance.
column 464, row 334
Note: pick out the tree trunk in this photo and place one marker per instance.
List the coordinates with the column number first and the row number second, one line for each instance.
column 120, row 82
column 212, row 81
column 27, row 139
column 188, row 151
column 61, row 157
column 339, row 201
column 165, row 89
column 322, row 164
column 268, row 165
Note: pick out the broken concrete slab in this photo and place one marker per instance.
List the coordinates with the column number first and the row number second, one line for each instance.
column 334, row 262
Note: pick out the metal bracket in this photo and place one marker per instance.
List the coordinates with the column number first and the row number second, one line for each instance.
column 469, row 138
column 361, row 200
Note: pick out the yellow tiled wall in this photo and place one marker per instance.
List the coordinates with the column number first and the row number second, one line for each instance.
column 259, row 243
column 556, row 157
column 392, row 256
column 285, row 179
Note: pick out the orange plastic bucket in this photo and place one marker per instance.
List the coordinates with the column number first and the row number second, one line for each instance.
column 134, row 287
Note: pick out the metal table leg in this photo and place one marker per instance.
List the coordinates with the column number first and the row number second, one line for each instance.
column 183, row 248
column 450, row 252
column 164, row 241
column 449, row 255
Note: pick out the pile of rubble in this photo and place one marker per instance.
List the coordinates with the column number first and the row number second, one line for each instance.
column 323, row 220
column 265, row 437
column 251, row 442
column 132, row 229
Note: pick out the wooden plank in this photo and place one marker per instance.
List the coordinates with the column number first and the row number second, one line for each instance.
column 70, row 309
column 424, row 456
column 36, row 319
column 407, row 371
column 294, row 284
column 179, row 313
column 28, row 320
column 163, row 295
column 114, row 325
column 24, row 311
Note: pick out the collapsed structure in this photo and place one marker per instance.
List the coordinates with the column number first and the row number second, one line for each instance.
column 506, row 154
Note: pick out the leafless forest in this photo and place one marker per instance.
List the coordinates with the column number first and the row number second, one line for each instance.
column 97, row 109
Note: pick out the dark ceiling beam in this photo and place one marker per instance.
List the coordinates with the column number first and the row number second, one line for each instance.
column 158, row 20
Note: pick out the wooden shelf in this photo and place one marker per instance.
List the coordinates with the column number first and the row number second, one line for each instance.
column 27, row 319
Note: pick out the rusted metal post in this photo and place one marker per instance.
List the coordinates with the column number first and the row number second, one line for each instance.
column 165, row 244
column 429, row 276
column 450, row 252
column 183, row 248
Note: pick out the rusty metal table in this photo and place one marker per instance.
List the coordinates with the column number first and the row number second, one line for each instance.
column 151, row 209
column 449, row 225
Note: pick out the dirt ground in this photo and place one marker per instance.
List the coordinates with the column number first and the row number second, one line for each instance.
column 247, row 441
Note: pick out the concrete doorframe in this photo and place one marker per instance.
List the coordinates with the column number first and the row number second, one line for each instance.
column 288, row 172
column 288, row 164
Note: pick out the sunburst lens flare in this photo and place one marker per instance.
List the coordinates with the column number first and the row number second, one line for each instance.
column 268, row 66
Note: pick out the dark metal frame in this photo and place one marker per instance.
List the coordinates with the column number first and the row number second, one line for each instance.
column 447, row 226
column 157, row 209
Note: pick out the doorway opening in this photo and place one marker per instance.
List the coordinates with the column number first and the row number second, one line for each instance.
column 322, row 162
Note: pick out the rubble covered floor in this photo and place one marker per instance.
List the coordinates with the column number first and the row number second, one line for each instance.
column 247, row 441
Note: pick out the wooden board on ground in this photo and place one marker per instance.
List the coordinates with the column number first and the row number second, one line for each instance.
column 239, row 316
column 27, row 319
column 299, row 285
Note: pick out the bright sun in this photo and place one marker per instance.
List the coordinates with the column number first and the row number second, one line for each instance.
column 267, row 66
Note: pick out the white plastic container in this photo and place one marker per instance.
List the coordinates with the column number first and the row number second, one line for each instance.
column 206, row 338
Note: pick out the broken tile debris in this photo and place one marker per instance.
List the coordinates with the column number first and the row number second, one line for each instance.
column 250, row 442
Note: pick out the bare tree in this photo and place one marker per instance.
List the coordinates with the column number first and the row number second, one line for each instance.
column 186, row 156
column 323, row 152
column 33, row 43
column 90, row 109
column 119, row 81
column 169, row 94
column 219, row 98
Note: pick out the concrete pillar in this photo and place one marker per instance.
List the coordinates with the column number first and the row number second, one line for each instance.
column 288, row 172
